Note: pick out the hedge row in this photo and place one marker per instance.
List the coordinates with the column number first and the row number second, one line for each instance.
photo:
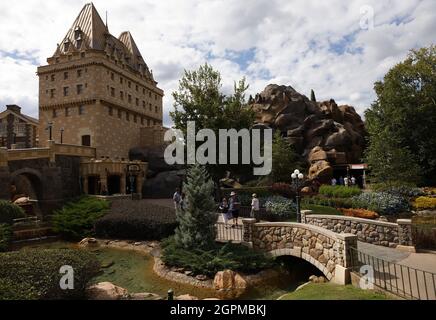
column 144, row 222
column 35, row 274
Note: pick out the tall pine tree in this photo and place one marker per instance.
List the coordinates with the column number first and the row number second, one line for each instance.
column 197, row 220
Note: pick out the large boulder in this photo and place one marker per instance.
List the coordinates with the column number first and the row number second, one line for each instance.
column 323, row 133
column 106, row 291
column 162, row 186
column 229, row 284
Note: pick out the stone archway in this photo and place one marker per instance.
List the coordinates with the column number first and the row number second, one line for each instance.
column 27, row 182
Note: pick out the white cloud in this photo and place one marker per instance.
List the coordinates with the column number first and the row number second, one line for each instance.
column 293, row 43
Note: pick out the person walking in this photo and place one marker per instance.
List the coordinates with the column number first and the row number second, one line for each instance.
column 341, row 181
column 334, row 181
column 183, row 201
column 234, row 207
column 176, row 199
column 224, row 209
column 346, row 181
column 353, row 181
column 254, row 206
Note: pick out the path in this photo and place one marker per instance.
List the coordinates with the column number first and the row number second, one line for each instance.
column 404, row 273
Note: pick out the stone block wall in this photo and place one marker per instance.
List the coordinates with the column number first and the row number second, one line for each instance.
column 370, row 231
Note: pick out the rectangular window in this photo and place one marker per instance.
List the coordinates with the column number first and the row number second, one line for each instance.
column 67, row 112
column 149, row 94
column 137, row 88
column 120, row 114
column 113, row 92
column 121, row 80
column 155, row 97
column 137, row 102
column 155, row 109
column 53, row 77
column 127, row 116
column 86, row 140
column 66, row 91
column 129, row 84
column 143, row 104
column 52, row 93
column 149, row 106
column 122, row 95
column 65, row 75
column 112, row 76
column 79, row 88
column 130, row 98
column 110, row 111
column 79, row 73
column 55, row 114
column 81, row 110
column 83, row 54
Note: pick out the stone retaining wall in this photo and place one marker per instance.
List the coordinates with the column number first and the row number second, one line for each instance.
column 380, row 233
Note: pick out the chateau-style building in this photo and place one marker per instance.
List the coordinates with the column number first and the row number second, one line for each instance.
column 98, row 91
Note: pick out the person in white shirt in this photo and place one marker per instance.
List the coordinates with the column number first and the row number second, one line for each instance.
column 254, row 205
column 334, row 181
column 346, row 181
column 353, row 181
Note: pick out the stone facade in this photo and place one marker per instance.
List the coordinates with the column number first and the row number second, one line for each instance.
column 370, row 231
column 17, row 130
column 323, row 248
column 98, row 89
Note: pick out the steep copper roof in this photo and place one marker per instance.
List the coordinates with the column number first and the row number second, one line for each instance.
column 89, row 32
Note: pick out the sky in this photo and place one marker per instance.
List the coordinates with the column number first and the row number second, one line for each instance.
column 337, row 48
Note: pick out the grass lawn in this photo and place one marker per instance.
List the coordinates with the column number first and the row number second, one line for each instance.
column 317, row 209
column 330, row 291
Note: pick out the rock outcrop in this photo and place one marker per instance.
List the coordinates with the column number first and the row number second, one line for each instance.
column 324, row 133
column 106, row 291
column 229, row 284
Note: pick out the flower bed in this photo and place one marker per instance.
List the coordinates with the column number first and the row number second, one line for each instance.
column 425, row 203
column 360, row 213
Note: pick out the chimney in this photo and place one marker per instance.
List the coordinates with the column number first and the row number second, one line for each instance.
column 14, row 108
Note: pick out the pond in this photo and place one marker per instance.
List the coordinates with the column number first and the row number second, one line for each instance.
column 134, row 271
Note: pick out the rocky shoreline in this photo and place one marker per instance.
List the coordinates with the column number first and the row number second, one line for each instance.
column 227, row 283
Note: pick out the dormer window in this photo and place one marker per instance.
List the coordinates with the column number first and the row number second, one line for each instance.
column 66, row 46
column 77, row 33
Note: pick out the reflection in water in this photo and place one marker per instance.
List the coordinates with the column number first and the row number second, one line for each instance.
column 134, row 271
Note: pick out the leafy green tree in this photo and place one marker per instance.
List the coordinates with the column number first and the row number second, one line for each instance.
column 284, row 159
column 199, row 98
column 197, row 219
column 402, row 120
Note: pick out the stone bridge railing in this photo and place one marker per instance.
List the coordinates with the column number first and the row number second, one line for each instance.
column 380, row 233
column 325, row 249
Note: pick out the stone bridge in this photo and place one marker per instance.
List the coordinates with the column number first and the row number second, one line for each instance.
column 48, row 175
column 326, row 250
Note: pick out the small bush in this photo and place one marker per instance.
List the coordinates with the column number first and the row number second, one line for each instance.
column 381, row 202
column 399, row 189
column 9, row 212
column 360, row 213
column 76, row 219
column 280, row 206
column 34, row 274
column 5, row 236
column 329, row 202
column 137, row 221
column 209, row 262
column 423, row 203
column 339, row 191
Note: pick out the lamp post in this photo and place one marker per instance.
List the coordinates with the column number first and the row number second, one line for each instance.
column 49, row 128
column 297, row 179
column 62, row 135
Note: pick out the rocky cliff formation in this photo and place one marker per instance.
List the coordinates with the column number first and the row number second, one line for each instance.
column 324, row 133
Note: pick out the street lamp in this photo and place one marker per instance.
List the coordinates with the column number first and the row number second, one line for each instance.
column 297, row 180
column 62, row 135
column 49, row 128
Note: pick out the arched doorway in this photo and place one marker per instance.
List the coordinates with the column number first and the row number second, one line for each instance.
column 27, row 182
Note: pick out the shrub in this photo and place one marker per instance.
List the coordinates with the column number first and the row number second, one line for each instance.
column 381, row 202
column 5, row 236
column 136, row 221
column 209, row 262
column 34, row 273
column 280, row 206
column 329, row 202
column 283, row 189
column 9, row 212
column 360, row 213
column 76, row 219
column 399, row 189
column 339, row 191
column 422, row 203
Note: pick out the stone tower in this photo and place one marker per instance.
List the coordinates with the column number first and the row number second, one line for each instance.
column 97, row 90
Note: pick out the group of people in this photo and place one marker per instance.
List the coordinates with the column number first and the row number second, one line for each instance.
column 347, row 181
column 228, row 208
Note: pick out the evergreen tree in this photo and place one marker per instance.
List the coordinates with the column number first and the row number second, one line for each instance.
column 312, row 96
column 197, row 219
column 284, row 160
